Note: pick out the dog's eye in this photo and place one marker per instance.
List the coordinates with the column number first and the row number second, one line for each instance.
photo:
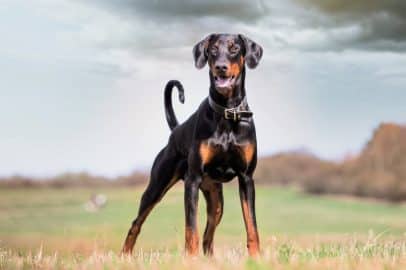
column 234, row 49
column 213, row 51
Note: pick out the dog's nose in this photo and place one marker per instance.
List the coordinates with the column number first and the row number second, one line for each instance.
column 221, row 67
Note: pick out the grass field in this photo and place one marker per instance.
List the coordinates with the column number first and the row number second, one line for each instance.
column 49, row 228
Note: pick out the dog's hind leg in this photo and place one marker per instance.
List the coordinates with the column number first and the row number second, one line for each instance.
column 166, row 171
column 213, row 193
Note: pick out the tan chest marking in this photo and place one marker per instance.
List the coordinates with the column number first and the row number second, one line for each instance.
column 248, row 152
column 206, row 152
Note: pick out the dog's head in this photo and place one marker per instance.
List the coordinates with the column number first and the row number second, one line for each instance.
column 226, row 54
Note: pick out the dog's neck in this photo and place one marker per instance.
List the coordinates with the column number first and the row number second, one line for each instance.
column 237, row 93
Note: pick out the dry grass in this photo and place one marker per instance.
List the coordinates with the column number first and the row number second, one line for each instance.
column 350, row 253
column 49, row 229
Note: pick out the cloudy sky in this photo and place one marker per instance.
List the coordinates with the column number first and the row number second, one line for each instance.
column 82, row 81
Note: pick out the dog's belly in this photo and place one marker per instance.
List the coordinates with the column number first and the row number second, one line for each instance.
column 225, row 165
column 221, row 173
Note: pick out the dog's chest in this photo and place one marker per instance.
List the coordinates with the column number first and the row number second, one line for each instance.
column 224, row 142
column 226, row 153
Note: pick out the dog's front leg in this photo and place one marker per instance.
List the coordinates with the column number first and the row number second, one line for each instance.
column 247, row 197
column 192, row 183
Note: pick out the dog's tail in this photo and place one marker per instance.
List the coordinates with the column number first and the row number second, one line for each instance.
column 170, row 115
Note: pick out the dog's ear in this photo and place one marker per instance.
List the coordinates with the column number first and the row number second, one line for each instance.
column 200, row 53
column 253, row 52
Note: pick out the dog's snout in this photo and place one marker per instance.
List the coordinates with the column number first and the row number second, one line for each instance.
column 221, row 67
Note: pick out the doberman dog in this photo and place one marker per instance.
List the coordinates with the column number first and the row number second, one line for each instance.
column 216, row 144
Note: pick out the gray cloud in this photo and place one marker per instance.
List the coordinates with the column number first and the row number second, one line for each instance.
column 177, row 9
column 382, row 24
column 93, row 73
column 151, row 27
column 359, row 7
column 305, row 25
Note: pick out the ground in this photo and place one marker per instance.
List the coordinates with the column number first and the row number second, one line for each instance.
column 50, row 228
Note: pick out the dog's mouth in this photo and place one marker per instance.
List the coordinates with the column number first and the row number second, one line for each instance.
column 224, row 81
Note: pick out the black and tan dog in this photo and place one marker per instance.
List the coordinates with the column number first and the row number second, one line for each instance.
column 216, row 144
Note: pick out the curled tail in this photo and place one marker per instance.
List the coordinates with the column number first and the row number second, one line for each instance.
column 170, row 115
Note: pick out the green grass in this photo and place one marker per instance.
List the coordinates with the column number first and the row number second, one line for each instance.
column 293, row 226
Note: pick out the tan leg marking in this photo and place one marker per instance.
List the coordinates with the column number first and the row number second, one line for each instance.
column 252, row 234
column 214, row 210
column 192, row 241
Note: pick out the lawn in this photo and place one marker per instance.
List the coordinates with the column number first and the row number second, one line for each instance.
column 49, row 228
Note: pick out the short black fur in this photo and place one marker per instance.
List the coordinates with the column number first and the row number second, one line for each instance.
column 208, row 150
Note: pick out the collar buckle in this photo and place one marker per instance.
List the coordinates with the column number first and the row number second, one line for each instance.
column 231, row 114
column 235, row 114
